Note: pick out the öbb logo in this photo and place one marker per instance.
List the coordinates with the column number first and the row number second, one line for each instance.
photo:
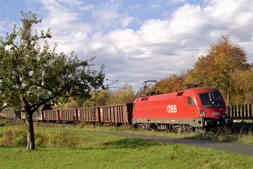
column 172, row 108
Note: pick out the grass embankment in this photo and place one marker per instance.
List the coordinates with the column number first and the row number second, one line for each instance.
column 123, row 154
column 241, row 136
column 69, row 147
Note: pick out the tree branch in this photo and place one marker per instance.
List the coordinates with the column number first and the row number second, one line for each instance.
column 44, row 101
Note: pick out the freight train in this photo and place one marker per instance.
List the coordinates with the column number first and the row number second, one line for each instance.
column 195, row 108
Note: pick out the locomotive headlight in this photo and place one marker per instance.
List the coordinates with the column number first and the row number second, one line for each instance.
column 202, row 113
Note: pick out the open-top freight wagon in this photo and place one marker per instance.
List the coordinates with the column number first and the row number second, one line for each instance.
column 113, row 115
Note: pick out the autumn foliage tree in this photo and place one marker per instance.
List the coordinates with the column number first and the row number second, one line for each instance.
column 217, row 68
column 170, row 84
column 98, row 98
column 32, row 74
column 243, row 86
column 123, row 95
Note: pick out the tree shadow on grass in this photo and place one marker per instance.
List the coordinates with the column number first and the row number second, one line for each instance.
column 214, row 138
column 124, row 143
column 131, row 143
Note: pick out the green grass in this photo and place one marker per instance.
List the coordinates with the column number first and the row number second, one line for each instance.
column 101, row 151
column 123, row 153
column 235, row 138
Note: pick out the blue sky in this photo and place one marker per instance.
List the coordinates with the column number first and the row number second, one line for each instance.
column 138, row 40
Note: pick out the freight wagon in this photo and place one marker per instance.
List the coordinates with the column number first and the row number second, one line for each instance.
column 112, row 115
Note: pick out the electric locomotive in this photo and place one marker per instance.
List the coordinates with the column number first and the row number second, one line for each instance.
column 190, row 108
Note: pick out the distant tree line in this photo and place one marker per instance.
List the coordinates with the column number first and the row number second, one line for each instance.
column 122, row 95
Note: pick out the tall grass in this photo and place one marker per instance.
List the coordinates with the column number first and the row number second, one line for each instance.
column 16, row 136
column 13, row 136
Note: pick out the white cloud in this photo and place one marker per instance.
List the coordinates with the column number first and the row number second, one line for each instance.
column 126, row 21
column 159, row 46
column 155, row 31
column 106, row 15
column 187, row 20
column 109, row 16
column 69, row 32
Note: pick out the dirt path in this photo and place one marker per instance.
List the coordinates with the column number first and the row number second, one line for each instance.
column 227, row 147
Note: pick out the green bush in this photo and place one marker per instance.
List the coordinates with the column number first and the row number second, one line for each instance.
column 62, row 139
column 14, row 136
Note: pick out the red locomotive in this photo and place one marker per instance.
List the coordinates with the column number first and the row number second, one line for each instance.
column 194, row 108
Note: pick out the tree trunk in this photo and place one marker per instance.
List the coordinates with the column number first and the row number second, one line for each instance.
column 30, row 131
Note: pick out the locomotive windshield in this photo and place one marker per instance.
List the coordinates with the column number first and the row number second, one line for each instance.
column 211, row 99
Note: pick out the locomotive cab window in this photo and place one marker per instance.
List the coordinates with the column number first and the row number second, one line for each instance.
column 190, row 101
column 211, row 99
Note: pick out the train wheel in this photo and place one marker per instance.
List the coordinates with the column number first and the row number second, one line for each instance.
column 177, row 129
column 200, row 130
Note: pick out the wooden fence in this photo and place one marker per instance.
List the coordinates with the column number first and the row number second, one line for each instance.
column 239, row 112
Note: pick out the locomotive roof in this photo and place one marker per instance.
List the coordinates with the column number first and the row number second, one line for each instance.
column 192, row 91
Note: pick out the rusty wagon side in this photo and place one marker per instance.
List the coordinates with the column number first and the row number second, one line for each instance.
column 116, row 114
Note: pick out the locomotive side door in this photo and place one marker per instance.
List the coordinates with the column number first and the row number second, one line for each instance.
column 191, row 107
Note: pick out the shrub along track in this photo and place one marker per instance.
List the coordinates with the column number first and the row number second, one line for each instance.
column 222, row 146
